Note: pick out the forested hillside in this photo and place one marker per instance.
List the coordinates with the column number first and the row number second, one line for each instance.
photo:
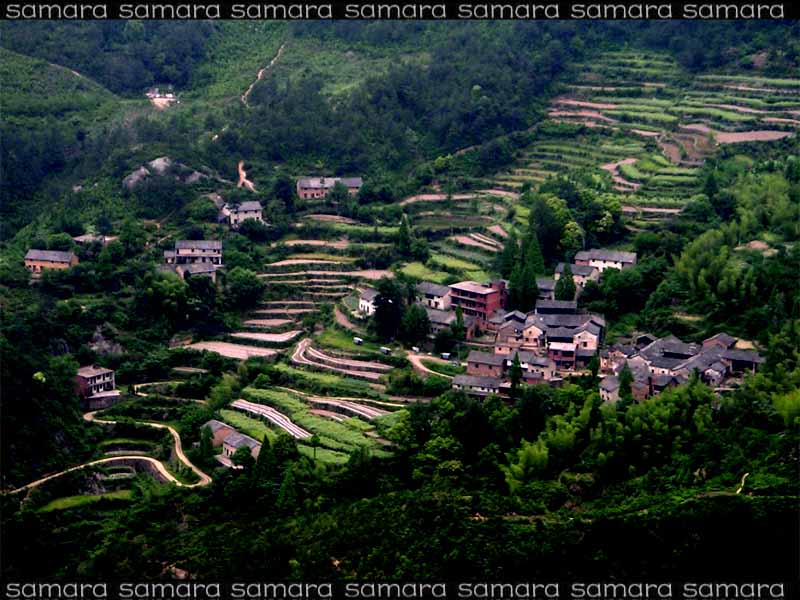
column 488, row 151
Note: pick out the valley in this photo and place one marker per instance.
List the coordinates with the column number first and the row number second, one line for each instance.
column 388, row 300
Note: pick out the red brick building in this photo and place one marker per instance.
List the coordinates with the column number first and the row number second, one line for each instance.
column 485, row 364
column 478, row 300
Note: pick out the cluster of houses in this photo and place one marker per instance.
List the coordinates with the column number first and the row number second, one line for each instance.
column 556, row 340
column 318, row 187
column 231, row 440
column 660, row 363
column 549, row 342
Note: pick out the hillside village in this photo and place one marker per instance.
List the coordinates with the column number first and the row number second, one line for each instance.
column 361, row 300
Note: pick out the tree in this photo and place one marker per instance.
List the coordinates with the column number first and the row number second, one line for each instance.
column 565, row 286
column 509, row 256
column 571, row 239
column 206, row 443
column 533, row 258
column 625, row 383
column 404, row 238
column 389, row 308
column 515, row 374
column 315, row 442
column 264, row 468
column 103, row 225
column 415, row 324
column 243, row 288
column 338, row 194
column 531, row 460
column 243, row 458
column 132, row 237
column 284, row 190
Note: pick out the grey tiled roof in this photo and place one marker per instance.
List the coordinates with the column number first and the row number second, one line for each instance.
column 475, row 381
column 240, row 440
column 49, row 255
column 607, row 255
column 486, row 358
column 580, row 270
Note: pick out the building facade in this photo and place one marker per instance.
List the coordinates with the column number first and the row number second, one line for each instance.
column 477, row 300
column 603, row 259
column 194, row 252
column 318, row 187
column 37, row 261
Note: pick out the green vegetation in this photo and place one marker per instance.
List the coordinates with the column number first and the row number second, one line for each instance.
column 103, row 500
column 549, row 483
column 255, row 428
column 444, row 369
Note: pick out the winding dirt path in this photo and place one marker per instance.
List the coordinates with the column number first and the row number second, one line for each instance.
column 343, row 321
column 158, row 465
column 416, row 363
column 261, row 73
column 204, row 479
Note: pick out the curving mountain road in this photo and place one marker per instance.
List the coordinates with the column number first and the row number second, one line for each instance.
column 159, row 466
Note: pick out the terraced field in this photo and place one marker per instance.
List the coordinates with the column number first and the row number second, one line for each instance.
column 340, row 425
column 649, row 126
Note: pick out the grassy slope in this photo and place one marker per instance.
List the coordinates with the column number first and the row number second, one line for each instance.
column 33, row 88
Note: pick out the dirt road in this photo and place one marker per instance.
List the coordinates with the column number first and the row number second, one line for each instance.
column 158, row 465
column 261, row 73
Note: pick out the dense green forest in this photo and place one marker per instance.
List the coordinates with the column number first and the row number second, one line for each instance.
column 549, row 483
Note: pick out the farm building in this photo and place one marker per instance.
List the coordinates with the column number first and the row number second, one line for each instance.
column 318, row 187
column 37, row 261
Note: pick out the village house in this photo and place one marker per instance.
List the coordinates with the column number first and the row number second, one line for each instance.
column 235, row 215
column 434, row 295
column 96, row 387
column 502, row 318
column 478, row 300
column 562, row 354
column 477, row 386
column 219, row 431
column 195, row 251
column 198, row 270
column 445, row 319
column 547, row 288
column 366, row 301
column 609, row 388
column 318, row 187
column 236, row 440
column 581, row 274
column 742, row 361
column 603, row 259
column 37, row 261
column 720, row 340
column 485, row 364
column 535, row 368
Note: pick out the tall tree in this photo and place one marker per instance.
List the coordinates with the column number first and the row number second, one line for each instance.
column 533, row 253
column 415, row 324
column 626, row 383
column 565, row 286
column 515, row 374
column 509, row 256
column 389, row 308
